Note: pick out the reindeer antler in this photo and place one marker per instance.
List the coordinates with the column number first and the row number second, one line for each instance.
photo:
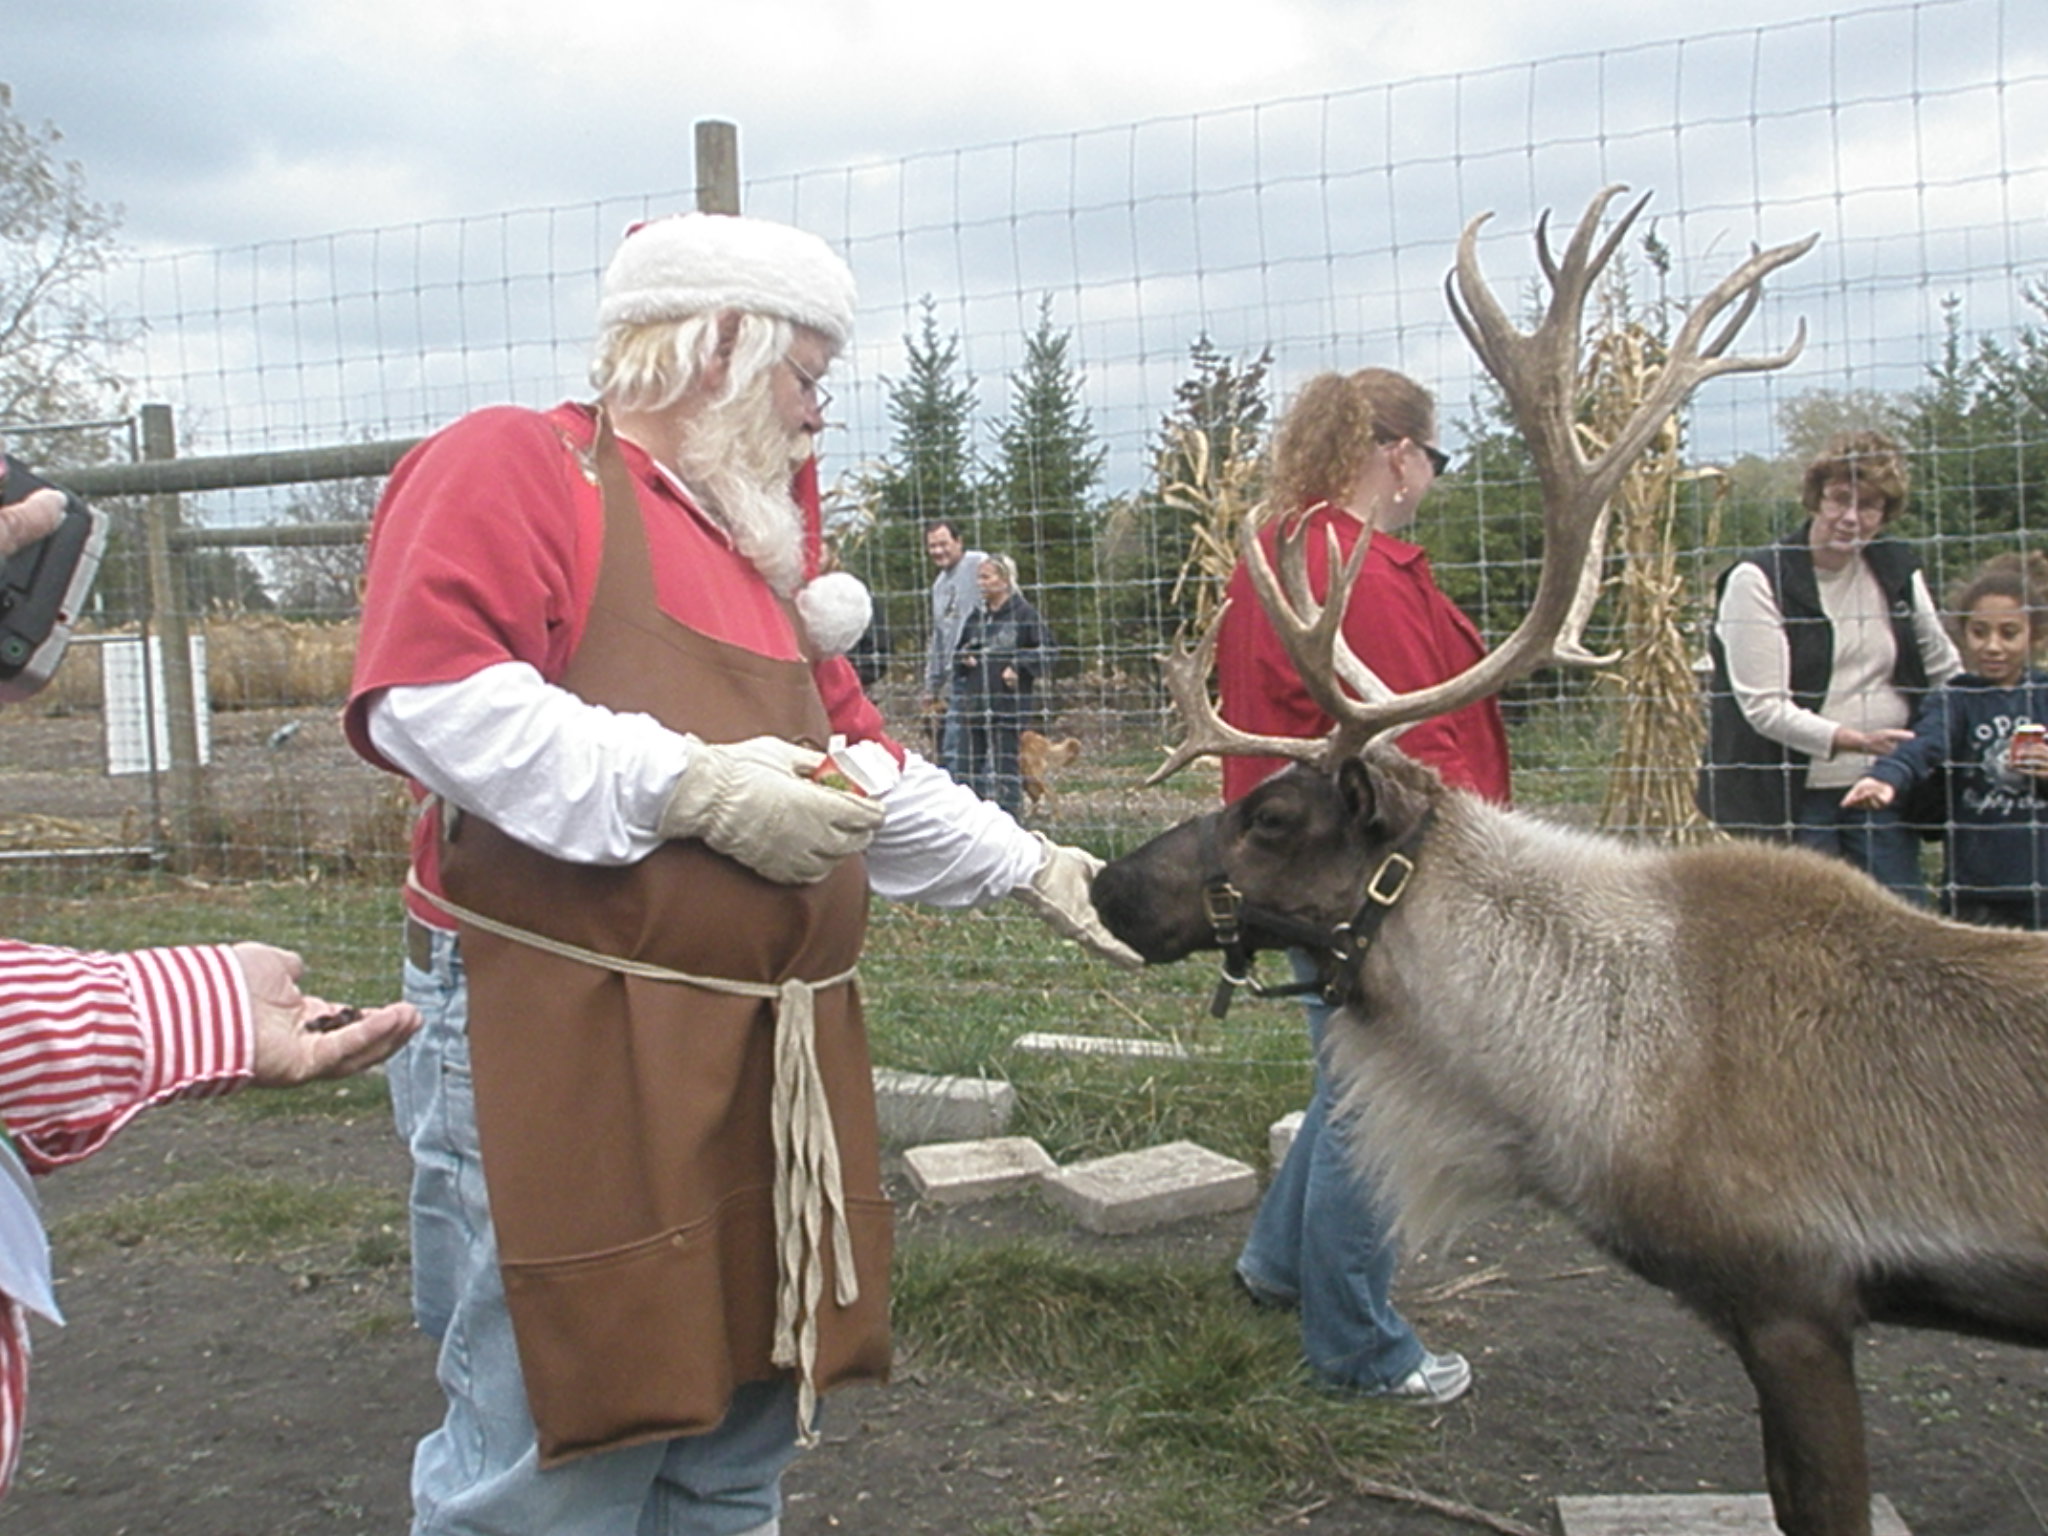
column 1538, row 372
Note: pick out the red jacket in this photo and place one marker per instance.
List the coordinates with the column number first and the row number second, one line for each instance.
column 1399, row 625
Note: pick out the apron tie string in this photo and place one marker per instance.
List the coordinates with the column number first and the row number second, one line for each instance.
column 808, row 1181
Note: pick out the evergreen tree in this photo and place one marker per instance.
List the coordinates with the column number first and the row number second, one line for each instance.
column 1978, row 433
column 929, row 475
column 930, row 472
column 1047, row 473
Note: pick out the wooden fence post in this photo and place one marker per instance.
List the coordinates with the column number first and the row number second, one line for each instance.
column 718, row 167
column 170, row 626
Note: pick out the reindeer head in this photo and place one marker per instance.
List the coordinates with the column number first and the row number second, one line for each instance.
column 1538, row 372
column 1293, row 863
column 1303, row 850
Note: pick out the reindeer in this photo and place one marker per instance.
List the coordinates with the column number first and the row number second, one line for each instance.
column 1747, row 1072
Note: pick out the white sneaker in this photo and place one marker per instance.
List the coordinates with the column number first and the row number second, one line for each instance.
column 1438, row 1380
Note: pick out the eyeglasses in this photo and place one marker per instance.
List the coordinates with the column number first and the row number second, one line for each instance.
column 814, row 387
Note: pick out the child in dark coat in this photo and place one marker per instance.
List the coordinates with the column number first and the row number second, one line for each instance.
column 1981, row 732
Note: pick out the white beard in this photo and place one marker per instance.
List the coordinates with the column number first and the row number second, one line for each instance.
column 738, row 461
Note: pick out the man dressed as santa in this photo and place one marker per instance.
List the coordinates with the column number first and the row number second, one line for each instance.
column 648, row 1222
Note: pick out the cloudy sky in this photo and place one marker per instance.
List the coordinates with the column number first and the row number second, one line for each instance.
column 1914, row 137
column 220, row 122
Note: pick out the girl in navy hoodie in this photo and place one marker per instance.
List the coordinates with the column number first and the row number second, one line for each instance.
column 1980, row 733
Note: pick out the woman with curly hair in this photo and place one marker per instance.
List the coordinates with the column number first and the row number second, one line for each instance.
column 1353, row 457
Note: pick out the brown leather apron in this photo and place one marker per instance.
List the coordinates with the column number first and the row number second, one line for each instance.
column 625, row 1115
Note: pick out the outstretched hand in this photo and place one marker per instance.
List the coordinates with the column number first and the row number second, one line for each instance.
column 287, row 1051
column 1058, row 894
column 1869, row 793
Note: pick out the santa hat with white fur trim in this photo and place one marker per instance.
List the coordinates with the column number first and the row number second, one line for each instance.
column 689, row 263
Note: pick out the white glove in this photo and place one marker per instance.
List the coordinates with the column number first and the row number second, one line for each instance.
column 754, row 801
column 1058, row 895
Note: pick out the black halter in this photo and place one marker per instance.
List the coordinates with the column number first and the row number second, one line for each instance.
column 1337, row 950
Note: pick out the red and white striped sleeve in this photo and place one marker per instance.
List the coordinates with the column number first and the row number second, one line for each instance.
column 88, row 1041
column 14, row 1353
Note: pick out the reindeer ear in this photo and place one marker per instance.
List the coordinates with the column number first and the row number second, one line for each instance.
column 1356, row 787
column 1387, row 793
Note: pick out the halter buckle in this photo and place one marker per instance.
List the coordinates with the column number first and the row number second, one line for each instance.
column 1223, row 903
column 1397, row 865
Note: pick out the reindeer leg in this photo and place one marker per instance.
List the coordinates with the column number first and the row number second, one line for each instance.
column 1802, row 1364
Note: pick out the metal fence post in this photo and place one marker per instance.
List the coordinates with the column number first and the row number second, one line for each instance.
column 172, row 629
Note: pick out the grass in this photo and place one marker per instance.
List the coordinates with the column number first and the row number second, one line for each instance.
column 952, row 994
column 1201, row 1399
column 348, row 931
column 247, row 1217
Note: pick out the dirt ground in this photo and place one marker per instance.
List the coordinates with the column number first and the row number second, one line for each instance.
column 194, row 1396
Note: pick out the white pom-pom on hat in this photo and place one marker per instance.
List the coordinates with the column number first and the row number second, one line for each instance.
column 836, row 609
column 669, row 269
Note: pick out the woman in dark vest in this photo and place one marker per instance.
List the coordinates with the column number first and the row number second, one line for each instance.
column 1822, row 645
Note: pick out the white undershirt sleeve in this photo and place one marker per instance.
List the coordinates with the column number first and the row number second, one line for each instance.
column 587, row 784
column 576, row 780
column 942, row 843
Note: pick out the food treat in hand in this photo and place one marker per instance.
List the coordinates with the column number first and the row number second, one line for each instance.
column 858, row 767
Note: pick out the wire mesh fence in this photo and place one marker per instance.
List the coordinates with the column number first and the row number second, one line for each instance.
column 1168, row 275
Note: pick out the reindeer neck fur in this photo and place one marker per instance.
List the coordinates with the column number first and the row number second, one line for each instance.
column 1479, row 1086
column 1630, row 1032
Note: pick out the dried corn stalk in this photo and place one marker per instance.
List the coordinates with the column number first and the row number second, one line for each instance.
column 1662, row 725
column 1218, row 493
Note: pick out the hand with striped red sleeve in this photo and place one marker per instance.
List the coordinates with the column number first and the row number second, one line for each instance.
column 289, row 1049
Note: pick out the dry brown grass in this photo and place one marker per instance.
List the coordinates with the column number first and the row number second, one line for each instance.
column 1663, row 729
column 253, row 661
column 1219, row 491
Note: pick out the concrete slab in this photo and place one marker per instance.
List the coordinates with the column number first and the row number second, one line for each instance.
column 955, row 1172
column 1099, row 1045
column 1131, row 1191
column 915, row 1107
column 1693, row 1514
column 1280, row 1137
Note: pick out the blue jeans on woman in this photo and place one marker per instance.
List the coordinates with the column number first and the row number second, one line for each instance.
column 1320, row 1240
column 989, row 744
column 1875, row 841
column 479, row 1472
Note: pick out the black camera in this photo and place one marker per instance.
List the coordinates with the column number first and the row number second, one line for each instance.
column 44, row 585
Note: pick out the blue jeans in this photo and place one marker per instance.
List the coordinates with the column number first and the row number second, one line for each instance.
column 1876, row 842
column 988, row 761
column 952, row 736
column 1320, row 1238
column 479, row 1473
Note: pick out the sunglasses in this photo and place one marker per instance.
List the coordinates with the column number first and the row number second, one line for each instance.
column 1439, row 461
